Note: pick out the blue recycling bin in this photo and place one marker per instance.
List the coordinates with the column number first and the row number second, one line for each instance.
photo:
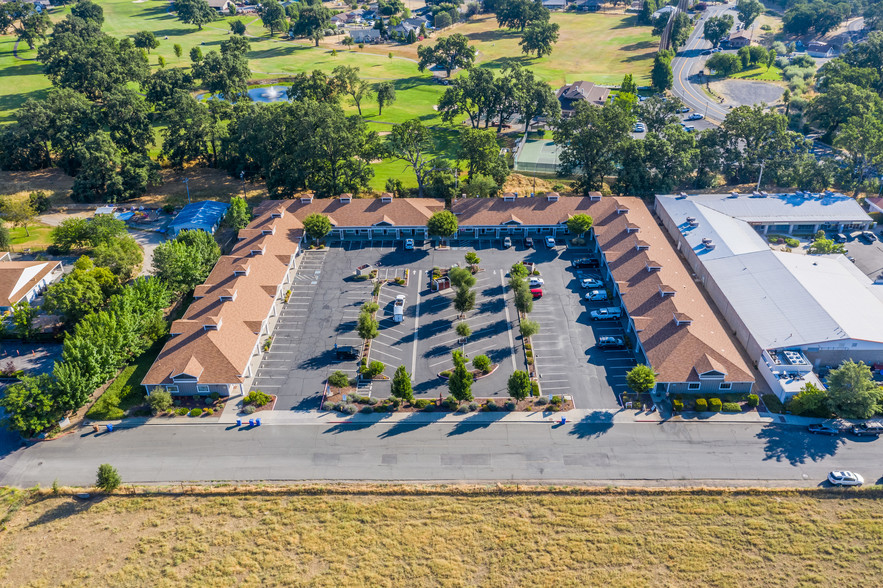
column 238, row 422
column 109, row 428
column 257, row 422
column 250, row 422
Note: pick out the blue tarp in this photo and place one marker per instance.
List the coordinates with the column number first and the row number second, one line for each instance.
column 204, row 216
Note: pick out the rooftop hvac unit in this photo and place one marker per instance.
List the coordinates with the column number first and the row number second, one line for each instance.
column 683, row 194
column 755, row 193
column 763, row 194
column 706, row 241
column 709, row 245
column 734, row 194
column 691, row 220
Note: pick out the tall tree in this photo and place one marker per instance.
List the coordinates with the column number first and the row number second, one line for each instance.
column 162, row 85
column 106, row 175
column 86, row 289
column 312, row 21
column 519, row 385
column 186, row 136
column 539, row 38
column 534, row 97
column 18, row 213
column 122, row 258
column 641, row 378
column 348, row 82
column 29, row 24
column 716, row 28
column 186, row 261
column 238, row 216
column 126, row 116
column 442, row 224
column 272, row 16
column 518, row 14
column 748, row 11
column 861, row 137
column 472, row 93
column 410, row 142
column 386, row 95
column 479, row 149
column 316, row 226
column 226, row 73
column 852, row 391
column 449, row 52
column 401, row 385
column 661, row 75
column 195, row 12
column 460, row 381
column 315, row 86
column 657, row 112
column 29, row 405
column 146, row 40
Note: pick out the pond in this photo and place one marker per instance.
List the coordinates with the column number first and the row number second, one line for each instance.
column 264, row 94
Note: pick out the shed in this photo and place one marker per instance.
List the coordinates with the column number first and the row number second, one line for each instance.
column 202, row 216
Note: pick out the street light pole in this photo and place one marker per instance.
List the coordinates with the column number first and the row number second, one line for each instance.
column 187, row 185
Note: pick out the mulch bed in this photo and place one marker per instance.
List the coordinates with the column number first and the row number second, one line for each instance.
column 528, row 405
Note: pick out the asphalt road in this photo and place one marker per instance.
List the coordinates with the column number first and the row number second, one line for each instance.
column 590, row 452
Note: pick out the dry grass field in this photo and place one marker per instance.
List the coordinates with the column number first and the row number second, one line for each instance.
column 385, row 536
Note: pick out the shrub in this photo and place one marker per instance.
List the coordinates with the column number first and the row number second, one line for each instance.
column 209, row 412
column 464, row 408
column 208, row 401
column 541, row 401
column 731, row 407
column 249, row 409
column 534, row 388
column 677, row 405
column 108, row 478
column 429, row 408
column 349, row 408
column 371, row 401
column 491, row 406
column 375, row 368
column 257, row 398
column 792, row 242
column 714, row 404
column 329, row 406
column 421, row 403
column 367, row 409
column 196, row 412
column 445, row 374
column 160, row 400
column 773, row 404
column 557, row 400
column 701, row 405
column 482, row 362
column 473, row 406
column 394, row 402
column 181, row 411
column 338, row 380
column 451, row 402
column 528, row 354
column 753, row 400
column 510, row 405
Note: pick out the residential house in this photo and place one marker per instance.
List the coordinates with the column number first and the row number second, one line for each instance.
column 222, row 6
column 737, row 40
column 820, row 49
column 555, row 4
column 664, row 11
column 569, row 94
column 367, row 36
column 22, row 281
column 203, row 216
column 875, row 204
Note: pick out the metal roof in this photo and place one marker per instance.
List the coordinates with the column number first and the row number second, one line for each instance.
column 782, row 208
column 203, row 215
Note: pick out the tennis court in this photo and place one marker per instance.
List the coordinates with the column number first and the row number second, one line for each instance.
column 537, row 155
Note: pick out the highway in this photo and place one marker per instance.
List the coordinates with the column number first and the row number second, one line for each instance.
column 686, row 65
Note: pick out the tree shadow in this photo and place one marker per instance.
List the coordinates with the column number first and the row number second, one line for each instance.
column 796, row 446
column 498, row 355
column 308, row 403
column 65, row 510
column 324, row 359
column 339, row 428
column 412, row 423
column 492, row 291
column 593, row 425
column 479, row 420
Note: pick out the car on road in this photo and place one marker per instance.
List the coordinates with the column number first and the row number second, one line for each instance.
column 344, row 352
column 683, row 109
column 507, row 242
column 867, row 430
column 409, row 244
column 610, row 343
column 819, row 429
column 591, row 283
column 695, row 116
column 594, row 295
column 867, row 237
column 706, row 52
column 536, row 293
column 717, row 50
column 535, row 281
column 845, row 479
column 611, row 312
column 528, row 242
column 585, row 262
column 550, row 242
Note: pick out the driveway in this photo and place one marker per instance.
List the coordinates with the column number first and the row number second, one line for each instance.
column 148, row 241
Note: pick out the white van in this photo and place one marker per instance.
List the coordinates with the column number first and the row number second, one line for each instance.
column 398, row 309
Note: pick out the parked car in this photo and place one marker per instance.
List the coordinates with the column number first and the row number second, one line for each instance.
column 611, row 312
column 591, row 283
column 840, row 238
column 817, row 429
column 689, row 128
column 586, row 262
column 398, row 308
column 717, row 50
column 867, row 430
column 528, row 242
column 639, row 128
column 409, row 244
column 610, row 343
column 706, row 52
column 535, row 281
column 695, row 116
column 507, row 242
column 344, row 352
column 845, row 479
column 683, row 109
column 536, row 293
column 550, row 242
column 595, row 295
column 867, row 237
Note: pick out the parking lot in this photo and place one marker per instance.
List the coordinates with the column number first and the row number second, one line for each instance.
column 868, row 256
column 326, row 299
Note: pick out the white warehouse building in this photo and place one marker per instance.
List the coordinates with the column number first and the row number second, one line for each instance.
column 794, row 313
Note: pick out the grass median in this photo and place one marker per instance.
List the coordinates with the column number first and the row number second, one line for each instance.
column 393, row 536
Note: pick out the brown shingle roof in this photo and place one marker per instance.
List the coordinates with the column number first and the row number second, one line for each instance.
column 366, row 212
column 17, row 278
column 527, row 211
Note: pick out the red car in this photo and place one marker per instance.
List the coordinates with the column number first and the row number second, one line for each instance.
column 537, row 293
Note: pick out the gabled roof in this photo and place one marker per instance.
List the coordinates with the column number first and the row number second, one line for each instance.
column 526, row 211
column 581, row 90
column 18, row 278
column 367, row 212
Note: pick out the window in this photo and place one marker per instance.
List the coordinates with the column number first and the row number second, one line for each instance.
column 726, row 385
column 693, row 386
column 172, row 389
column 202, row 389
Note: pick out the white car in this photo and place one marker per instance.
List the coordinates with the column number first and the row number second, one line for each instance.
column 591, row 283
column 596, row 295
column 409, row 244
column 535, row 282
column 845, row 479
column 507, row 242
column 550, row 242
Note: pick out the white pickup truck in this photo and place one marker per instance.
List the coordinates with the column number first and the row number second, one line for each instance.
column 398, row 309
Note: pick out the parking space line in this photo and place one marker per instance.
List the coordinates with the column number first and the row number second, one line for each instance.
column 396, row 357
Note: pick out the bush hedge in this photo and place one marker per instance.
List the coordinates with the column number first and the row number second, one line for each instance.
column 181, row 411
column 677, row 405
column 257, row 398
column 701, row 405
column 731, row 407
column 421, row 403
column 715, row 404
column 196, row 412
column 753, row 400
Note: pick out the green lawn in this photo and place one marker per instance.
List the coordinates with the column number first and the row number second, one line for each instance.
column 126, row 391
column 39, row 237
column 760, row 73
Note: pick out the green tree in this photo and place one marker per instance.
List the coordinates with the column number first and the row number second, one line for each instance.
column 852, row 392
column 578, row 224
column 519, row 14
column 195, row 55
column 724, row 64
column 160, row 400
column 88, row 11
column 161, row 86
column 316, row 85
column 23, row 315
column 460, row 382
column 657, row 112
column 401, row 385
column 86, row 289
column 106, row 175
column 840, row 102
column 480, row 151
column 18, row 213
column 529, row 328
column 628, row 85
column 226, row 73
column 442, row 224
column 386, row 95
column 126, row 116
column 473, row 259
column 590, row 141
column 473, row 93
column 449, row 52
column 810, row 401
column 108, row 479
column 29, row 405
column 482, row 363
column 348, row 82
column 661, row 75
column 461, row 277
column 122, row 258
column 186, row 261
column 640, row 378
column 27, row 23
column 311, row 22
column 178, row 50
column 464, row 300
column 237, row 27
column 716, row 28
column 518, row 270
column 523, row 300
column 238, row 216
column 539, row 38
column 681, row 27
column 519, row 385
column 273, row 16
column 146, row 40
column 5, row 239
column 748, row 11
column 861, row 137
column 195, row 12
column 188, row 131
column 71, row 388
column 316, row 226
column 367, row 326
column 822, row 245
column 463, row 329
